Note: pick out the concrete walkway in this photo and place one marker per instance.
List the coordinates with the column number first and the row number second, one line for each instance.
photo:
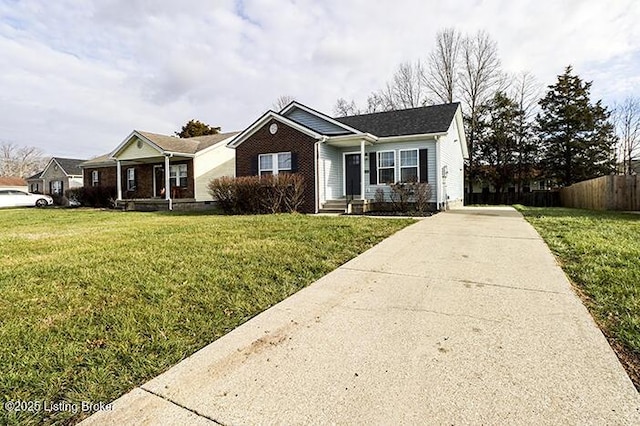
column 462, row 318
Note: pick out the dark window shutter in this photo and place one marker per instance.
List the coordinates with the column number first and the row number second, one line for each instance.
column 294, row 162
column 51, row 187
column 373, row 168
column 61, row 187
column 254, row 166
column 135, row 179
column 423, row 166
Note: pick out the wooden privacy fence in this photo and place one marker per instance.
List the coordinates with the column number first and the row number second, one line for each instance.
column 615, row 192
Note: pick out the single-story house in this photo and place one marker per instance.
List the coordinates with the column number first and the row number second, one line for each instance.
column 35, row 183
column 345, row 160
column 17, row 183
column 144, row 164
column 57, row 176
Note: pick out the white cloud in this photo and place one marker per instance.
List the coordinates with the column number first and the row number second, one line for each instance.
column 77, row 77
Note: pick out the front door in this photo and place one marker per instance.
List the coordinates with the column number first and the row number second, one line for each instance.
column 158, row 181
column 353, row 175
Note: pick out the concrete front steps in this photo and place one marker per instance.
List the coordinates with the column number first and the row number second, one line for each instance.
column 342, row 206
column 334, row 206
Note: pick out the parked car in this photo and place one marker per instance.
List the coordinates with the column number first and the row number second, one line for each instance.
column 15, row 198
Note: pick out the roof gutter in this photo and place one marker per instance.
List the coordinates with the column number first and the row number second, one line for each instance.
column 368, row 137
column 404, row 138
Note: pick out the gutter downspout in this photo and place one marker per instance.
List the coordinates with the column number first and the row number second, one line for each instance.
column 438, row 175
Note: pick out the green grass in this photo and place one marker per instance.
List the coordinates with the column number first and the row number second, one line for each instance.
column 94, row 303
column 600, row 252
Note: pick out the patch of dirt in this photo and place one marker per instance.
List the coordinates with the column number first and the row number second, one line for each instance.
column 629, row 360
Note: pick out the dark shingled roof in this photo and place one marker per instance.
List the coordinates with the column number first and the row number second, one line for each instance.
column 71, row 166
column 36, row 176
column 414, row 121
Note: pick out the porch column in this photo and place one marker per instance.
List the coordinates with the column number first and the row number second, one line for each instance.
column 362, row 180
column 167, row 182
column 119, row 180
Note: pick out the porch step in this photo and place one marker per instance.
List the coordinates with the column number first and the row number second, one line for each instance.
column 334, row 206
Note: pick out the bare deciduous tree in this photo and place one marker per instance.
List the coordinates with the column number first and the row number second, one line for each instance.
column 20, row 161
column 407, row 86
column 440, row 76
column 626, row 117
column 525, row 92
column 282, row 102
column 344, row 108
column 480, row 77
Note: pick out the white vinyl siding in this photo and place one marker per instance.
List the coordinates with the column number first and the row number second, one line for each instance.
column 451, row 157
column 428, row 144
column 214, row 162
column 330, row 170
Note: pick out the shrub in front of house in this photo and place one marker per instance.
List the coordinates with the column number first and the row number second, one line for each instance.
column 405, row 198
column 92, row 196
column 283, row 193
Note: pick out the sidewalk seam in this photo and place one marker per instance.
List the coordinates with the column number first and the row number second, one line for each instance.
column 182, row 406
column 458, row 280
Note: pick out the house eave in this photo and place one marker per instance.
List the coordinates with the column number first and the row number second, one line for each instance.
column 256, row 125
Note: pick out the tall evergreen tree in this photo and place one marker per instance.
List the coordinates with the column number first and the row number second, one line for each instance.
column 497, row 140
column 577, row 139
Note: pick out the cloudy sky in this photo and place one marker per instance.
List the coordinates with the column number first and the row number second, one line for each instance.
column 77, row 76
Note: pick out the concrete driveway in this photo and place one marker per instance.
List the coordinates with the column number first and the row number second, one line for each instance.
column 462, row 318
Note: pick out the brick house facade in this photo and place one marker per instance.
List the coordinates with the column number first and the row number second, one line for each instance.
column 285, row 139
column 144, row 180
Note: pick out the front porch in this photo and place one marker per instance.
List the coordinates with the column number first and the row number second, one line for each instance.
column 141, row 183
column 355, row 172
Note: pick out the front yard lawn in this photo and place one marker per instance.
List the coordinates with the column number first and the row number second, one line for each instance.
column 600, row 252
column 94, row 303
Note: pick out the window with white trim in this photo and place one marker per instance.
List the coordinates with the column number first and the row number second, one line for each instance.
column 409, row 165
column 131, row 179
column 95, row 178
column 272, row 164
column 386, row 167
column 56, row 187
column 178, row 175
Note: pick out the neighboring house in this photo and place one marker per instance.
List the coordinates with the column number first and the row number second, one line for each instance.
column 345, row 160
column 58, row 175
column 13, row 183
column 35, row 183
column 144, row 164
